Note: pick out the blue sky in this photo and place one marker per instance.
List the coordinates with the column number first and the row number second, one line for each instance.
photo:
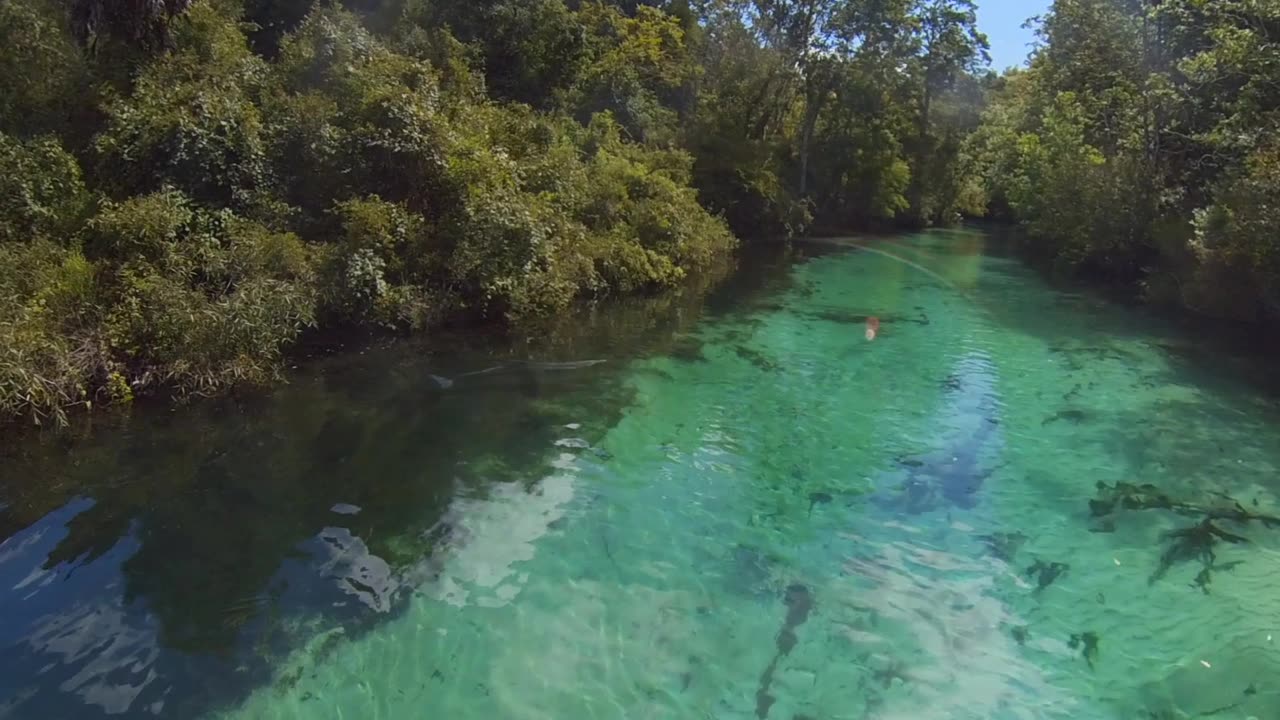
column 1002, row 21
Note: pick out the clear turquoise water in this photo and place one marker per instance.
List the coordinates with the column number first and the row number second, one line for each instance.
column 748, row 510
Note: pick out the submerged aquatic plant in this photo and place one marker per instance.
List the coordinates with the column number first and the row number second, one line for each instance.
column 1146, row 496
column 1205, row 577
column 1195, row 542
column 1046, row 573
column 1003, row 545
column 1020, row 634
column 1127, row 496
column 1087, row 643
column 1073, row 415
column 799, row 601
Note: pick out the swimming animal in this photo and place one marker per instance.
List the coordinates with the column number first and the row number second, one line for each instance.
column 818, row 498
column 525, row 370
column 955, row 475
column 1046, row 573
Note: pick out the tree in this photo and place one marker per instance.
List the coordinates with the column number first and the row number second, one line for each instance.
column 948, row 48
column 142, row 23
column 44, row 83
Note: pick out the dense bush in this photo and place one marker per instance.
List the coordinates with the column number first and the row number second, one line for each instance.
column 1140, row 146
column 42, row 193
column 191, row 120
column 50, row 356
column 234, row 201
column 199, row 299
column 1235, row 241
column 43, row 78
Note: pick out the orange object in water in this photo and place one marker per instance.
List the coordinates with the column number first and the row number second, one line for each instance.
column 873, row 327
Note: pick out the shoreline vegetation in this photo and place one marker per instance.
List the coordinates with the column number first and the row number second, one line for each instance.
column 187, row 187
column 190, row 188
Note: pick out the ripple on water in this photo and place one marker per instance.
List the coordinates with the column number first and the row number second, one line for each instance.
column 746, row 551
column 794, row 522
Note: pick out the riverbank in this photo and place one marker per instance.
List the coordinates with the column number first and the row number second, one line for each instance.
column 229, row 202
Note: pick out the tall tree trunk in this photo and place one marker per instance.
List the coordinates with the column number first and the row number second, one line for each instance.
column 815, row 96
column 917, row 187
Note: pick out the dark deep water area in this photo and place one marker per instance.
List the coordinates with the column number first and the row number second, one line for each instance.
column 1020, row 500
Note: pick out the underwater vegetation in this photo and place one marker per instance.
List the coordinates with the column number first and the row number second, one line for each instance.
column 799, row 601
column 1196, row 542
column 756, row 358
column 1128, row 496
column 1087, row 644
column 1020, row 634
column 1078, row 358
column 1205, row 577
column 1046, row 573
column 1003, row 545
column 1071, row 415
column 1077, row 389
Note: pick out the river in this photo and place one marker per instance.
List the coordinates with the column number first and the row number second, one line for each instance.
column 1016, row 501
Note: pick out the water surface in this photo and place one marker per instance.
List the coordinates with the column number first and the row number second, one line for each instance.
column 1016, row 502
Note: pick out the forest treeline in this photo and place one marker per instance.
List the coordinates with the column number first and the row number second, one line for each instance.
column 1142, row 145
column 187, row 186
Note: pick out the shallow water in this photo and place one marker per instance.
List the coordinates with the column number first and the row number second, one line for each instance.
column 748, row 510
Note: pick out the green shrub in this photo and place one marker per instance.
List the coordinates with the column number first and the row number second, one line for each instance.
column 43, row 77
column 171, row 334
column 354, row 119
column 1235, row 243
column 639, row 196
column 199, row 300
column 49, row 351
column 146, row 227
column 192, row 120
column 42, row 193
column 380, row 269
column 417, row 197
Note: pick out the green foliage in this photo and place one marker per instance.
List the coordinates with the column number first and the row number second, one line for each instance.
column 644, row 193
column 1140, row 146
column 1235, row 241
column 1082, row 204
column 252, row 169
column 200, row 300
column 48, row 352
column 43, row 79
column 353, row 118
column 377, row 270
column 191, row 120
column 638, row 66
column 528, row 50
column 42, row 193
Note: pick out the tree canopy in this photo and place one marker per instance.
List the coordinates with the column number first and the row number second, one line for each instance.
column 192, row 185
column 1141, row 145
column 189, row 186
